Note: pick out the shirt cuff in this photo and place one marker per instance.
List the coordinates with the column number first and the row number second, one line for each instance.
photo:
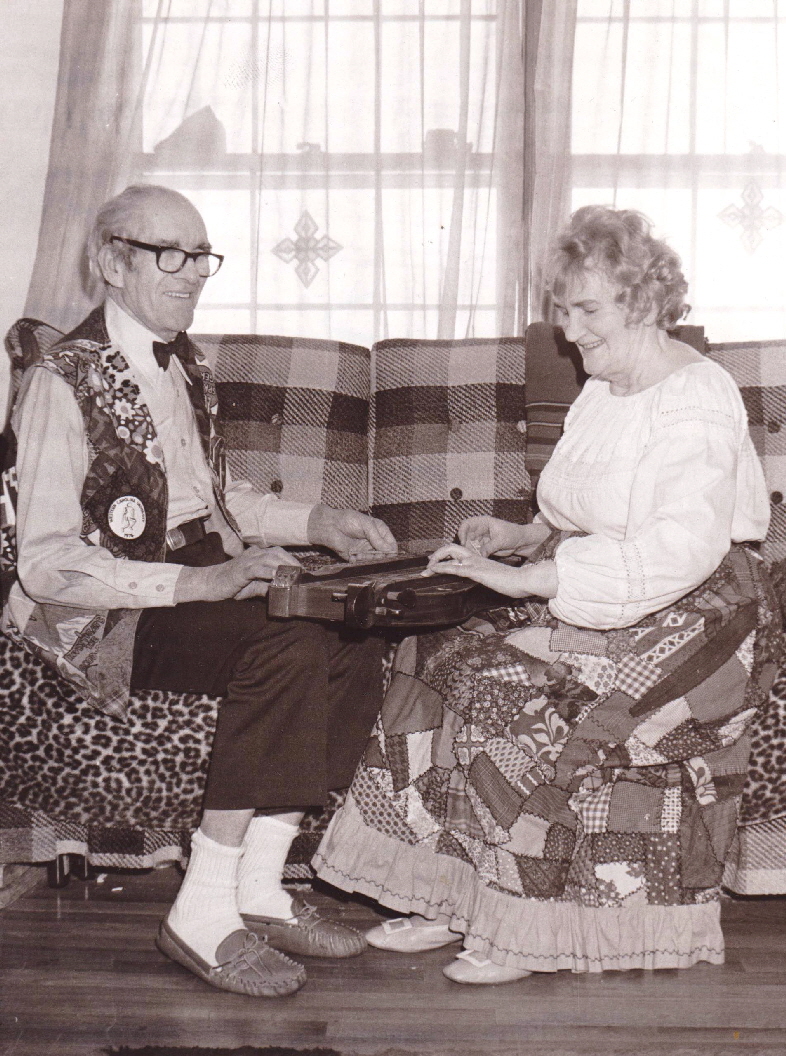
column 138, row 584
column 285, row 524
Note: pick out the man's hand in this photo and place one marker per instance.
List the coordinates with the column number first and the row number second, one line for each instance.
column 245, row 576
column 349, row 533
column 490, row 535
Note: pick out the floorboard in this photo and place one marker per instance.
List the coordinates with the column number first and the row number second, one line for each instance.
column 79, row 974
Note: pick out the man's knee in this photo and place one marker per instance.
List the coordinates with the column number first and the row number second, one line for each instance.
column 294, row 648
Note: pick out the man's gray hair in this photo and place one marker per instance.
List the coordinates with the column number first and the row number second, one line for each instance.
column 114, row 218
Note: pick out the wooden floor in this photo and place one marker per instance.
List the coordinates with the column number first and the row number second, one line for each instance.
column 79, row 974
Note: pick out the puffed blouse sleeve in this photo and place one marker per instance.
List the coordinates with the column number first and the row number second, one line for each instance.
column 696, row 487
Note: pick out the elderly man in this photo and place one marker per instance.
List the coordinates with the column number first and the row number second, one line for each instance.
column 140, row 568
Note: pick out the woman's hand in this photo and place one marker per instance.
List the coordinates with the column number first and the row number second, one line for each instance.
column 490, row 535
column 539, row 579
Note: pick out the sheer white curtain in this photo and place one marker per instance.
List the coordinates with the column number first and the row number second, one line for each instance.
column 91, row 150
column 359, row 162
column 678, row 109
column 548, row 177
column 379, row 168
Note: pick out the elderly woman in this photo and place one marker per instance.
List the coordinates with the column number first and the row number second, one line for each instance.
column 556, row 784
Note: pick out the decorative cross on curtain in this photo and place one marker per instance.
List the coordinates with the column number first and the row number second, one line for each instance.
column 306, row 249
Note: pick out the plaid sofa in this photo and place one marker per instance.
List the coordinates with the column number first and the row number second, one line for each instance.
column 422, row 433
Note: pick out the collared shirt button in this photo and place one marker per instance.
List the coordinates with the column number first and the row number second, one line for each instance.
column 521, row 426
column 160, row 587
column 183, row 441
column 133, row 585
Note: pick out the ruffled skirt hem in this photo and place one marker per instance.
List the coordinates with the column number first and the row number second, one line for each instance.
column 525, row 933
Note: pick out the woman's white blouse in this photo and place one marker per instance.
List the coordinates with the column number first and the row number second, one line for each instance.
column 662, row 481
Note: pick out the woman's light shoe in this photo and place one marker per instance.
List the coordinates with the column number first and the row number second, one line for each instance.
column 470, row 967
column 403, row 936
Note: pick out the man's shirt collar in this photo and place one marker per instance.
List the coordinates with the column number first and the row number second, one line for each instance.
column 135, row 341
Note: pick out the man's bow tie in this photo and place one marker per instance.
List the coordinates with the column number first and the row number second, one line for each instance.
column 163, row 351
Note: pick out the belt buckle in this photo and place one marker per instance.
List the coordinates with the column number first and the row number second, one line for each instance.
column 175, row 538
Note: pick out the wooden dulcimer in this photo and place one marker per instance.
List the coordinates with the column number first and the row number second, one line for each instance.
column 383, row 591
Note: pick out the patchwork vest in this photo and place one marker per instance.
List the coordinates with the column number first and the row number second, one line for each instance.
column 124, row 503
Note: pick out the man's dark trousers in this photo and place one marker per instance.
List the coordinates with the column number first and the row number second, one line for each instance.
column 300, row 697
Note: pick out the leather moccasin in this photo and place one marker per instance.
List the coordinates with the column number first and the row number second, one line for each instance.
column 245, row 965
column 473, row 968
column 306, row 933
column 401, row 935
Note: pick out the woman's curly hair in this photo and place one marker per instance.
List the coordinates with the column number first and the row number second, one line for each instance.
column 619, row 243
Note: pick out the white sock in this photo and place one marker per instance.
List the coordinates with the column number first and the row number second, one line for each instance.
column 205, row 910
column 265, row 848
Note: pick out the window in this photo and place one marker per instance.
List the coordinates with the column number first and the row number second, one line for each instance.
column 341, row 152
column 677, row 111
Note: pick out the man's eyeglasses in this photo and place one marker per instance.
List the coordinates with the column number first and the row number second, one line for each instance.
column 171, row 259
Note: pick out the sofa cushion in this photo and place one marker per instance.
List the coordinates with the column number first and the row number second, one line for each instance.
column 759, row 368
column 295, row 414
column 295, row 411
column 447, row 436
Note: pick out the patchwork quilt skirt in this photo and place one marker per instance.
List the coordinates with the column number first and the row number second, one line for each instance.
column 567, row 796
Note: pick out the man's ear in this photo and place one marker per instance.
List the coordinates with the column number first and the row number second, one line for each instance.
column 112, row 266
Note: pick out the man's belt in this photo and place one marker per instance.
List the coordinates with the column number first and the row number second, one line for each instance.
column 185, row 534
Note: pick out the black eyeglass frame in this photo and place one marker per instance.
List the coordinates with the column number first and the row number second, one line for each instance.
column 187, row 255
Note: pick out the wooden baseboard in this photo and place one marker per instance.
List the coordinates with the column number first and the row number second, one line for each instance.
column 17, row 880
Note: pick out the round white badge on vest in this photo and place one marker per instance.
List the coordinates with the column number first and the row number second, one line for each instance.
column 127, row 517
